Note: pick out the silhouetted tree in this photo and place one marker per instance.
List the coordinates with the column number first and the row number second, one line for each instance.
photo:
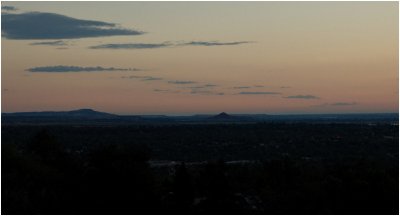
column 120, row 181
column 183, row 189
column 217, row 191
column 45, row 146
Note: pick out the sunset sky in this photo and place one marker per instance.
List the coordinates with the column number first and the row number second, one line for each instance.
column 181, row 58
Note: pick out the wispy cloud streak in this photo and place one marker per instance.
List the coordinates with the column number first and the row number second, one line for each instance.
column 50, row 43
column 68, row 69
column 343, row 104
column 143, row 78
column 165, row 44
column 214, row 43
column 181, row 82
column 132, row 46
column 259, row 93
column 241, row 87
column 8, row 8
column 336, row 104
column 306, row 97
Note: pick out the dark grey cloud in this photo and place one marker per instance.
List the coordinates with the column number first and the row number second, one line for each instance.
column 38, row 25
column 343, row 104
column 180, row 82
column 259, row 93
column 132, row 46
column 241, row 87
column 50, row 43
column 8, row 8
column 210, row 85
column 65, row 69
column 213, row 43
column 307, row 97
column 164, row 45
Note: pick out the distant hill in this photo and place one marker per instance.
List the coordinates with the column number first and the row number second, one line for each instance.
column 80, row 113
column 223, row 116
column 226, row 117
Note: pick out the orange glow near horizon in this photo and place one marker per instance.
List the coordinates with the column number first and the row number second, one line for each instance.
column 209, row 57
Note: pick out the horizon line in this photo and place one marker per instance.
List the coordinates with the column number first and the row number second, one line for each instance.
column 211, row 113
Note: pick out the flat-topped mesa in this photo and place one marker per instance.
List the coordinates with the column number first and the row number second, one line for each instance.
column 90, row 113
column 86, row 111
column 83, row 110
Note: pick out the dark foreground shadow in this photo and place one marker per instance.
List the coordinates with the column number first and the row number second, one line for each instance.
column 44, row 177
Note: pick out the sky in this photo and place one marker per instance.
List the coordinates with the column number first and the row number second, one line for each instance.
column 181, row 58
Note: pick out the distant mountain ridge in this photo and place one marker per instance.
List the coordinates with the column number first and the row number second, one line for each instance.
column 89, row 116
column 74, row 113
